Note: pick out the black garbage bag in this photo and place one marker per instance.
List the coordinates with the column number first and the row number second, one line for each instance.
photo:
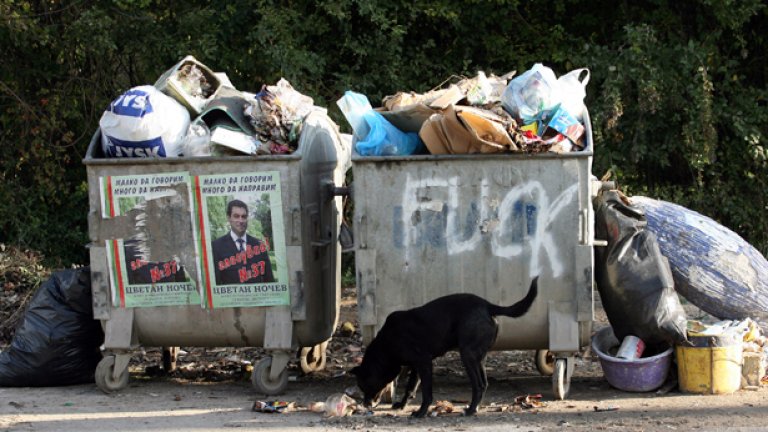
column 58, row 340
column 633, row 277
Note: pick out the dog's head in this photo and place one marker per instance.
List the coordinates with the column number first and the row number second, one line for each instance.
column 371, row 383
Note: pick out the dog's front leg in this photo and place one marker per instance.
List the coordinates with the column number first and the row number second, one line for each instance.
column 424, row 370
column 410, row 389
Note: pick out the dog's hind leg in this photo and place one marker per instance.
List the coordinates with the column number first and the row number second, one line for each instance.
column 410, row 389
column 474, row 344
column 477, row 379
column 424, row 370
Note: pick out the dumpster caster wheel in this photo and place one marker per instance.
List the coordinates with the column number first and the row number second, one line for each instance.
column 105, row 378
column 169, row 358
column 263, row 383
column 560, row 380
column 313, row 358
column 545, row 362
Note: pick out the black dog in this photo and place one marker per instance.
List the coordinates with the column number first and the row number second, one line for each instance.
column 413, row 338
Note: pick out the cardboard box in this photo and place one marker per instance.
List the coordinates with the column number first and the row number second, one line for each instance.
column 171, row 84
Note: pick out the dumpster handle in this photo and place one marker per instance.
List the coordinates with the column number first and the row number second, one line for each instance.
column 330, row 190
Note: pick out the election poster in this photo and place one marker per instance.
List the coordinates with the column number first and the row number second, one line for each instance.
column 152, row 260
column 242, row 239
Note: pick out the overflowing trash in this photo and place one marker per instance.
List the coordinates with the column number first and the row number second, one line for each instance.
column 534, row 112
column 745, row 336
column 192, row 111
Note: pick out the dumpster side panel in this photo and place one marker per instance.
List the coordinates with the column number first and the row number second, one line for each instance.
column 428, row 227
column 314, row 300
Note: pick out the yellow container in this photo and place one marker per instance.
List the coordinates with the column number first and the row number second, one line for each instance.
column 710, row 370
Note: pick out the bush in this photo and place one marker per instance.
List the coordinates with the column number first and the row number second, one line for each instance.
column 677, row 97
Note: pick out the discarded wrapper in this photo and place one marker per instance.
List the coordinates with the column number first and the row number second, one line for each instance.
column 272, row 406
column 530, row 401
column 442, row 407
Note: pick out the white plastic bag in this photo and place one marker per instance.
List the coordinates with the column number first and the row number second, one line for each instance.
column 143, row 122
column 572, row 90
column 530, row 93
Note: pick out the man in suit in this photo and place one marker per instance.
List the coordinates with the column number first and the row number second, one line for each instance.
column 238, row 257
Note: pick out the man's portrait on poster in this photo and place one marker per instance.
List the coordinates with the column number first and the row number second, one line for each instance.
column 238, row 257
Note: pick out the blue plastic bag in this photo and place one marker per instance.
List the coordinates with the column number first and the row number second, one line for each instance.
column 375, row 135
column 384, row 139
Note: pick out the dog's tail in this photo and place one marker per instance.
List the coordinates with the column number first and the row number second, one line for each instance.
column 520, row 307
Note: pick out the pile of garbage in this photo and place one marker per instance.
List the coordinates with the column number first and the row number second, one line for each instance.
column 747, row 334
column 532, row 113
column 193, row 111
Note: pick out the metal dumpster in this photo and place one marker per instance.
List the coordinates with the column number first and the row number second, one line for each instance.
column 427, row 226
column 156, row 279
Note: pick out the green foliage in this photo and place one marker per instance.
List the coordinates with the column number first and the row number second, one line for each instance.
column 677, row 97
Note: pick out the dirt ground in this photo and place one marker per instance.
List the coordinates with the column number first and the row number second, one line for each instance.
column 211, row 391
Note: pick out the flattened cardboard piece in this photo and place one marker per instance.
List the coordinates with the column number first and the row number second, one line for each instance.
column 448, row 133
column 487, row 130
column 451, row 96
column 445, row 134
column 410, row 118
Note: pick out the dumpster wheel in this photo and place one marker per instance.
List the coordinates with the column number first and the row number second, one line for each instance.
column 561, row 382
column 261, row 380
column 545, row 362
column 104, row 376
column 313, row 359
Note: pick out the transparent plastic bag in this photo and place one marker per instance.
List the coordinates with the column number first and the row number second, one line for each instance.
column 530, row 93
column 198, row 140
column 353, row 106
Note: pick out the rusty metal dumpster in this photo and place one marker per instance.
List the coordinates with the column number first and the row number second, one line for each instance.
column 154, row 227
column 432, row 225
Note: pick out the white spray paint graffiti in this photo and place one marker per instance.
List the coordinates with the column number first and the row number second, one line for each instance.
column 539, row 242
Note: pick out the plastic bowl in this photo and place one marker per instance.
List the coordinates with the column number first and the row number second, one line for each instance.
column 639, row 375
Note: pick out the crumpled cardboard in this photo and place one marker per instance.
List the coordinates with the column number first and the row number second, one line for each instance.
column 463, row 130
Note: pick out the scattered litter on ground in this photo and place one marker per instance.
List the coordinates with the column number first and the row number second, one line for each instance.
column 273, row 407
column 605, row 409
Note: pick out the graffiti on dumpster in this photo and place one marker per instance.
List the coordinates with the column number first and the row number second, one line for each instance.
column 515, row 222
column 243, row 240
column 147, row 266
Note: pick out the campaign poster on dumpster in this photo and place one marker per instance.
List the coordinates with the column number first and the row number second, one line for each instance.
column 155, row 240
column 242, row 239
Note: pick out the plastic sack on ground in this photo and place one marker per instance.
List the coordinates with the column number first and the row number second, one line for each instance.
column 58, row 340
column 375, row 135
column 143, row 122
column 633, row 277
column 530, row 93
